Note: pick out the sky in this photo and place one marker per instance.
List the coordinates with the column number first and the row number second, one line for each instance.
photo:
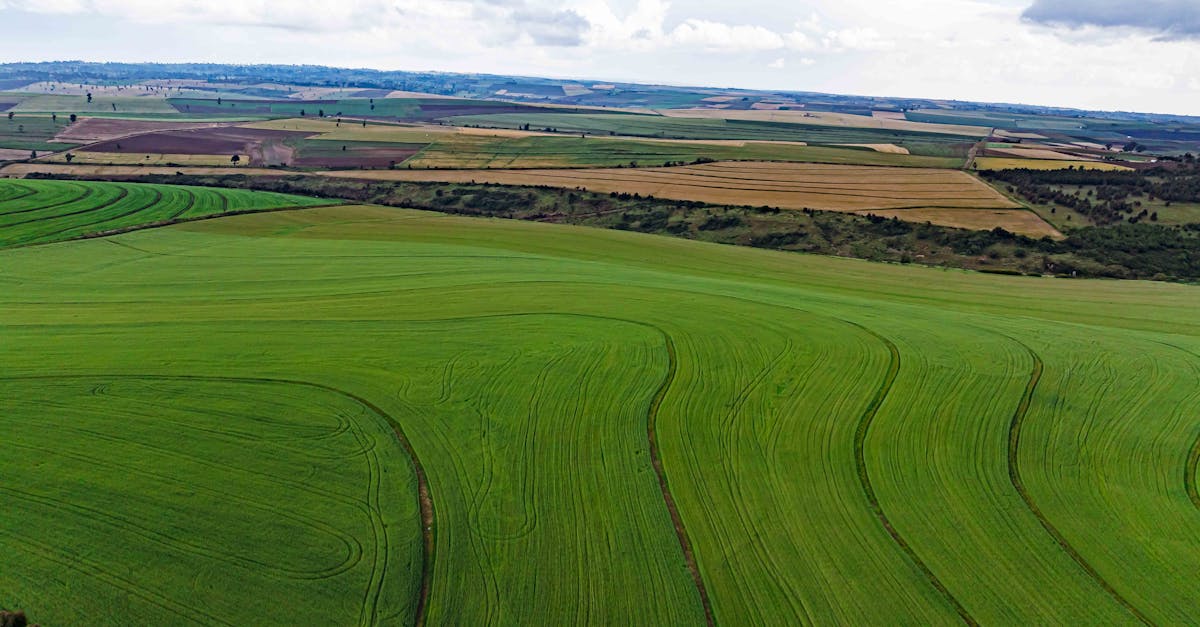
column 1130, row 55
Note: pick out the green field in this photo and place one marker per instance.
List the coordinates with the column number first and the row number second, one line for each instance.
column 100, row 104
column 32, row 132
column 245, row 420
column 37, row 212
column 701, row 128
column 479, row 151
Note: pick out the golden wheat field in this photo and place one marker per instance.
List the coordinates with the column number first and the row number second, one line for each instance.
column 784, row 185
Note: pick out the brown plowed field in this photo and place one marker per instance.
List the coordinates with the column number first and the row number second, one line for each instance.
column 89, row 130
column 263, row 147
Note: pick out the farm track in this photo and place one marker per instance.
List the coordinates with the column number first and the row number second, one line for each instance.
column 864, row 476
column 1014, row 474
column 371, row 594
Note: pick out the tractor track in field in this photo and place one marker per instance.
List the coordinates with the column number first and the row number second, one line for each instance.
column 864, row 477
column 158, row 195
column 88, row 190
column 425, row 500
column 191, row 202
column 1014, row 476
column 169, row 222
column 681, row 533
column 1192, row 465
column 119, row 197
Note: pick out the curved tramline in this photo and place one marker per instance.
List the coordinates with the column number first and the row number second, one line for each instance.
column 38, row 211
column 402, row 417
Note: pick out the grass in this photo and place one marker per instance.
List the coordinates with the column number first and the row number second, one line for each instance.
column 844, row 441
column 32, row 132
column 37, row 212
column 102, row 103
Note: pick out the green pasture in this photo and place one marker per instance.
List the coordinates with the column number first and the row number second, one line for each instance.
column 246, row 420
column 25, row 131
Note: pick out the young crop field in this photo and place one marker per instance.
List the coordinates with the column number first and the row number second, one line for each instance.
column 37, row 212
column 365, row 415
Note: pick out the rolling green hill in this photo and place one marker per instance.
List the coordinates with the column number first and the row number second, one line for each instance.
column 266, row 416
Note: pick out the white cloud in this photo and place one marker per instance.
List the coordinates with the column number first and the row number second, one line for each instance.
column 966, row 49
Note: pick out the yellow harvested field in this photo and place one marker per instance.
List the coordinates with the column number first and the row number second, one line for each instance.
column 1020, row 221
column 1038, row 153
column 124, row 158
column 1016, row 135
column 888, row 148
column 889, row 115
column 1004, row 163
column 11, row 154
column 826, row 118
column 785, row 185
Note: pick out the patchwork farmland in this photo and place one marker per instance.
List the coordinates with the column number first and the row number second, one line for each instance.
column 295, row 345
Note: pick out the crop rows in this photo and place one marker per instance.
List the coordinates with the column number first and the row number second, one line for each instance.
column 593, row 426
column 37, row 212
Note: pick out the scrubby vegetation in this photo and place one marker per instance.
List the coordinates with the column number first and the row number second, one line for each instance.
column 1145, row 251
column 1106, row 197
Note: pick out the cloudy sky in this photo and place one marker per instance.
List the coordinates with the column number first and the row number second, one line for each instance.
column 1103, row 54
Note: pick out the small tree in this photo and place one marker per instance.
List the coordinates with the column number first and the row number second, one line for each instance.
column 320, row 113
column 89, row 97
column 69, row 157
column 236, row 159
column 54, row 117
column 10, row 115
column 33, row 154
column 302, row 113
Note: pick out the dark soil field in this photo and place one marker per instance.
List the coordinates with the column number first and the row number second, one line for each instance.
column 5, row 106
column 318, row 153
column 204, row 141
column 104, row 129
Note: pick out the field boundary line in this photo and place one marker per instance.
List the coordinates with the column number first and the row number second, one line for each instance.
column 1014, row 476
column 864, row 477
column 425, row 500
column 656, row 461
